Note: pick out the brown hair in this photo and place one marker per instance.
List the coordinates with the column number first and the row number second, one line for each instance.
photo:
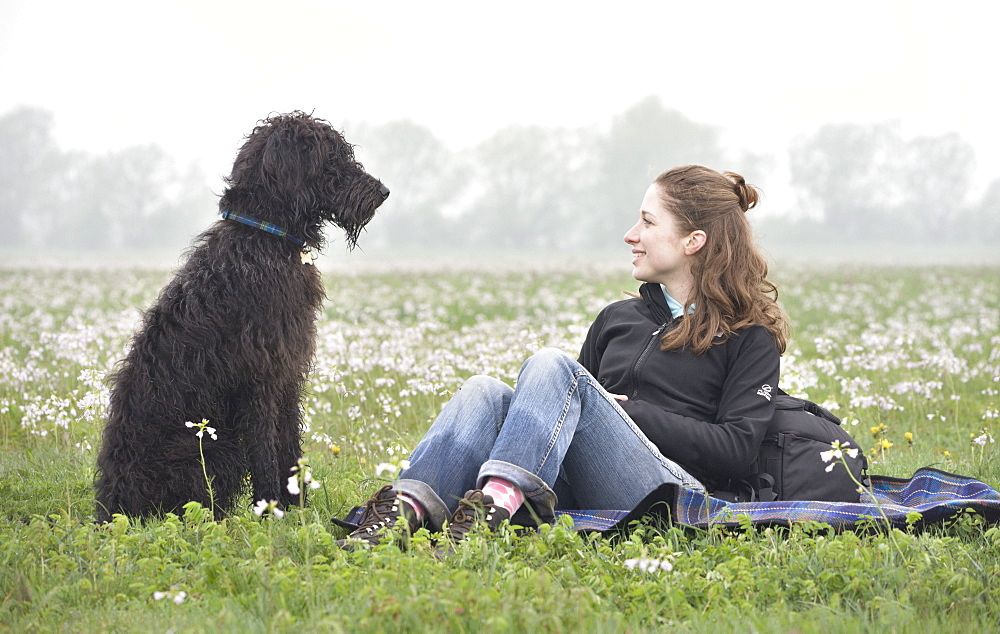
column 731, row 290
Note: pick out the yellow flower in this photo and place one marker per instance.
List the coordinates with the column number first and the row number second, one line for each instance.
column 335, row 450
column 884, row 444
column 909, row 437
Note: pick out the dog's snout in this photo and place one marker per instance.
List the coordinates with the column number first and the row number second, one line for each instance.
column 382, row 189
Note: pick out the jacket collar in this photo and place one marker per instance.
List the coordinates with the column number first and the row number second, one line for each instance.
column 652, row 294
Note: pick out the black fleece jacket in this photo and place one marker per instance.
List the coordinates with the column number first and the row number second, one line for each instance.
column 706, row 412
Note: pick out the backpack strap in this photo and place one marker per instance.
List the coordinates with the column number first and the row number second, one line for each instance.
column 765, row 488
column 756, row 487
column 737, row 491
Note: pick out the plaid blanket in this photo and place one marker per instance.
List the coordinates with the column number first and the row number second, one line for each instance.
column 936, row 495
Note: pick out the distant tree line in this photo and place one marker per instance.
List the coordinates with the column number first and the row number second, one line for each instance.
column 136, row 197
column 526, row 187
column 870, row 183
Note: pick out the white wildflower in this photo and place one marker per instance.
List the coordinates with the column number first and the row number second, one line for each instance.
column 263, row 506
column 177, row 597
column 983, row 438
column 836, row 453
column 649, row 565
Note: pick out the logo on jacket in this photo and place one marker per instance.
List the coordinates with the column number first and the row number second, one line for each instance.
column 765, row 391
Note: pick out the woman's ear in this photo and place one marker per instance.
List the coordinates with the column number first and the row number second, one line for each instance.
column 694, row 242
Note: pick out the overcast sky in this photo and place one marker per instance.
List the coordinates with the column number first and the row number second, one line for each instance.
column 195, row 75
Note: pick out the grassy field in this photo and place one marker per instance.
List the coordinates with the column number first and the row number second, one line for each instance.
column 909, row 357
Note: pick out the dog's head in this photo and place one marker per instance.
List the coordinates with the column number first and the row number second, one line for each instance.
column 297, row 171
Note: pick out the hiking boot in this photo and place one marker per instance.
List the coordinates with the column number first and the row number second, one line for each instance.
column 379, row 520
column 475, row 508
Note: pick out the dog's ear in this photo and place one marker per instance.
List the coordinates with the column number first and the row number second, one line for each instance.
column 280, row 165
column 292, row 157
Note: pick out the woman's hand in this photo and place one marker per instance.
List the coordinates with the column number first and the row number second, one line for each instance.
column 619, row 397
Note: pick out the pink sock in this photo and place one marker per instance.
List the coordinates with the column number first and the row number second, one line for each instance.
column 504, row 494
column 418, row 510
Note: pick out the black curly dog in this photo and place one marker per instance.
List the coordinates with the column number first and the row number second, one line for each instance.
column 231, row 338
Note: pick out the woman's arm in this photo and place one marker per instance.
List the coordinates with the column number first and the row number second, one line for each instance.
column 723, row 448
column 590, row 353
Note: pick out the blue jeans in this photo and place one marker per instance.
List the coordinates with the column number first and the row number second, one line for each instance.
column 558, row 436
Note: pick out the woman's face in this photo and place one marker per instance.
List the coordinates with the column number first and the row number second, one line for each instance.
column 659, row 251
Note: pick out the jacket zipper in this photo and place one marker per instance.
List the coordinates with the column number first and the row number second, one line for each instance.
column 638, row 362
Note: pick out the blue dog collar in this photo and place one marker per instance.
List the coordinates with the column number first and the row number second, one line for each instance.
column 250, row 221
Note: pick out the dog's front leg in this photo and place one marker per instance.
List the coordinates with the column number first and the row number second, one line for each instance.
column 274, row 445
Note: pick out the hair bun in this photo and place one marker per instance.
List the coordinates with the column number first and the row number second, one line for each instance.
column 748, row 194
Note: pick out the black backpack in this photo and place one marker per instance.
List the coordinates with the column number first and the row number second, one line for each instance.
column 789, row 465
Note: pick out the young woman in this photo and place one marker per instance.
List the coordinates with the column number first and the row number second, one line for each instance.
column 672, row 386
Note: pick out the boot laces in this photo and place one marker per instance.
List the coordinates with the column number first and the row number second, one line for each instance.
column 469, row 510
column 381, row 511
